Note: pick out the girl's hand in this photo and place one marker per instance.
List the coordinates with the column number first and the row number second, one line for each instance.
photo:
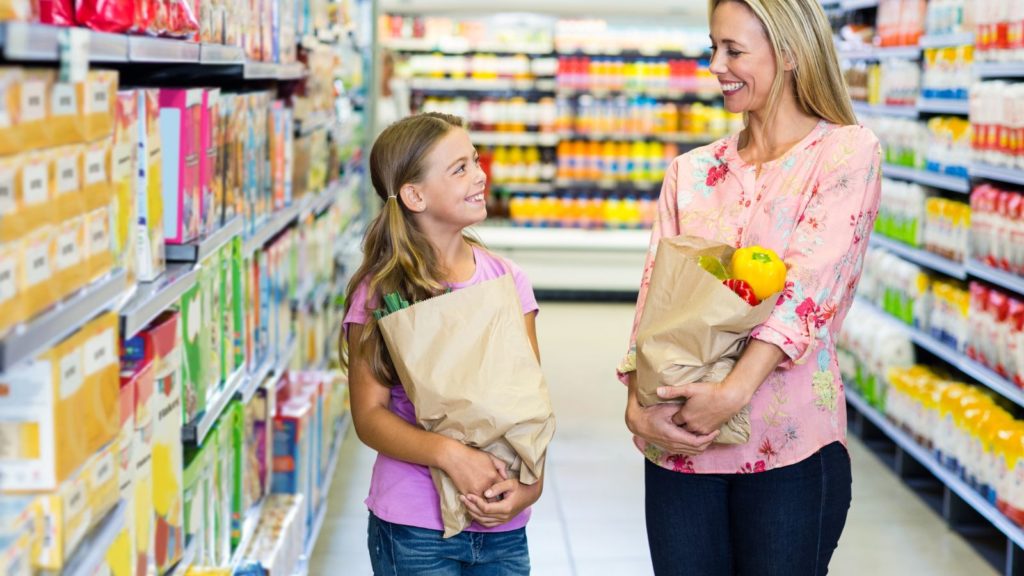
column 502, row 502
column 473, row 471
column 654, row 424
column 708, row 406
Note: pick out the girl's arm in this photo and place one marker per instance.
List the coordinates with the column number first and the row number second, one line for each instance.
column 487, row 510
column 472, row 470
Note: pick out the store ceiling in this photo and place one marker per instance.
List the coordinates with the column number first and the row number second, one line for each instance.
column 690, row 12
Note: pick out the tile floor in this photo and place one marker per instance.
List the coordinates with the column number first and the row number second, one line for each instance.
column 590, row 520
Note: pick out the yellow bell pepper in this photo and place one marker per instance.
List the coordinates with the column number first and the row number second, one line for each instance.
column 761, row 268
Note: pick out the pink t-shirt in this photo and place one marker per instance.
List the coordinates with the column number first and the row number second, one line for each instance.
column 401, row 492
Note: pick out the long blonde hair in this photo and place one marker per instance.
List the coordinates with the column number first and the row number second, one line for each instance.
column 397, row 255
column 800, row 31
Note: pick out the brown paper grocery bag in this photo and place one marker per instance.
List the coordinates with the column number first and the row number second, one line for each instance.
column 466, row 363
column 691, row 323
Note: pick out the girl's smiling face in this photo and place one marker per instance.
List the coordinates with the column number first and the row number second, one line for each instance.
column 452, row 189
column 742, row 58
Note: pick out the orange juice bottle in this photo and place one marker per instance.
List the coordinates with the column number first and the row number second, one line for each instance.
column 531, row 161
column 593, row 156
column 500, row 166
column 638, row 157
column 564, row 153
column 622, row 159
column 609, row 161
column 517, row 165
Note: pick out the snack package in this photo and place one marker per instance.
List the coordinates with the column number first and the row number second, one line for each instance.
column 195, row 339
column 67, row 113
column 24, row 94
column 180, row 119
column 124, row 176
column 210, row 189
column 61, row 408
column 98, row 243
column 96, row 183
column 37, row 253
column 67, row 178
column 117, row 16
column 70, row 265
column 11, row 265
column 99, row 104
column 149, row 188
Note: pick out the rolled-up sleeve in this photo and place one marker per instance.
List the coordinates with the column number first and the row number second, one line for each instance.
column 827, row 247
column 665, row 225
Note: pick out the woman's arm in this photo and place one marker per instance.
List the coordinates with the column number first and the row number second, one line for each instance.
column 473, row 471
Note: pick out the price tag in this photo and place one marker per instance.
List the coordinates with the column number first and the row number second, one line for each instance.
column 73, row 50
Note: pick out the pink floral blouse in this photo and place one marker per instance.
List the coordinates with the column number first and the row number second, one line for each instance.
column 815, row 207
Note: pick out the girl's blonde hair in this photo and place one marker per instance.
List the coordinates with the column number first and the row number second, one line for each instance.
column 800, row 31
column 397, row 256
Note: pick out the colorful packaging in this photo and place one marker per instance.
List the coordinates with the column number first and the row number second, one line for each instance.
column 103, row 486
column 195, row 504
column 141, row 500
column 123, row 171
column 96, row 183
column 293, row 470
column 161, row 343
column 234, row 419
column 149, row 193
column 23, row 127
column 195, row 336
column 213, row 302
column 11, row 265
column 229, row 360
column 56, row 12
column 10, row 199
column 257, row 447
column 37, row 191
column 67, row 180
column 67, row 113
column 99, row 103
column 65, row 516
column 211, row 186
column 117, row 16
column 228, row 148
column 180, row 121
column 99, row 246
column 70, row 266
column 39, row 291
column 221, row 502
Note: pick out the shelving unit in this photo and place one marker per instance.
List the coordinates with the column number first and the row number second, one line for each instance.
column 515, row 138
column 1000, row 278
column 999, row 69
column 884, row 110
column 461, row 46
column 152, row 298
column 89, row 557
column 65, row 318
column 857, row 4
column 921, row 257
column 880, row 53
column 539, row 188
column 943, row 106
column 478, row 85
column 928, row 178
column 321, row 515
column 200, row 249
column 947, row 40
column 998, row 173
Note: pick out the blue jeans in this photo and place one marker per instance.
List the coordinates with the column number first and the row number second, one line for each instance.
column 397, row 550
column 784, row 522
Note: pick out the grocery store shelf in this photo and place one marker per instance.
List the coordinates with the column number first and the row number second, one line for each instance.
column 998, row 173
column 538, row 188
column 195, row 432
column 107, row 48
column 27, row 42
column 273, row 71
column 928, row 178
column 278, row 221
column 147, row 49
column 24, row 342
column 668, row 94
column 90, row 556
column 514, row 138
column 187, row 559
column 878, row 53
column 961, row 362
column 198, row 250
column 254, row 381
column 947, row 40
column 674, row 137
column 858, row 4
column 249, row 525
column 220, row 54
column 457, row 46
column 284, row 359
column 618, row 185
column 943, row 106
column 480, row 85
column 920, row 257
column 1000, row 278
column 944, row 475
column 152, row 298
column 999, row 69
column 885, row 110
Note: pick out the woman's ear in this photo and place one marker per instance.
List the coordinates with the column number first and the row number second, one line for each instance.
column 788, row 61
column 413, row 198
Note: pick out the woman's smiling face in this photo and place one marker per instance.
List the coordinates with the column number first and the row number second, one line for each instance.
column 742, row 58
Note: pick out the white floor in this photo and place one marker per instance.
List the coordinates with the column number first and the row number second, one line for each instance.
column 590, row 520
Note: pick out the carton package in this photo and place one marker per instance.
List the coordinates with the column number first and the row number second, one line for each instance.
column 234, row 419
column 70, row 266
column 213, row 333
column 67, row 113
column 211, row 186
column 99, row 243
column 143, row 378
column 62, row 407
column 67, row 180
column 99, row 103
column 293, row 469
column 20, row 531
column 195, row 341
column 195, row 504
column 96, row 183
column 180, row 123
column 24, row 95
column 221, row 501
column 11, row 264
column 161, row 343
column 149, row 188
column 258, row 446
column 37, row 191
column 10, row 199
column 123, row 172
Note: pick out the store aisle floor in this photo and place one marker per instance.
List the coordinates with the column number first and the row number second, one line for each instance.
column 590, row 520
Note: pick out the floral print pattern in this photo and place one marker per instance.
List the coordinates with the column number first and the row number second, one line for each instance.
column 815, row 207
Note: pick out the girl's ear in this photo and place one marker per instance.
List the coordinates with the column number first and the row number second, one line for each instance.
column 413, row 198
column 788, row 61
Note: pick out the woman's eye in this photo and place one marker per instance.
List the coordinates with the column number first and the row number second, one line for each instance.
column 733, row 53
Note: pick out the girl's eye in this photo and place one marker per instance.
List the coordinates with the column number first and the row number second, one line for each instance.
column 460, row 169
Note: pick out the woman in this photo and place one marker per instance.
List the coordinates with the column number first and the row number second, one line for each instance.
column 803, row 179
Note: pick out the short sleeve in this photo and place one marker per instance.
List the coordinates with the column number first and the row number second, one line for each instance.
column 358, row 311
column 527, row 299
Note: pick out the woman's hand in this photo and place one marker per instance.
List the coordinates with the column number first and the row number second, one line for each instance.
column 473, row 471
column 501, row 502
column 654, row 424
column 708, row 405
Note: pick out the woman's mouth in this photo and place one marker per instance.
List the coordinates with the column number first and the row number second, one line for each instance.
column 732, row 88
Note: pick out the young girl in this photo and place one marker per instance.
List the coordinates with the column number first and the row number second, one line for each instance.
column 427, row 172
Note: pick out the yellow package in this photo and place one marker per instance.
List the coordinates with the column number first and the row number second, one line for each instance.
column 54, row 415
column 11, row 309
column 66, row 518
column 67, row 181
column 67, row 113
column 126, row 475
column 10, row 199
column 32, row 126
column 149, row 188
column 70, row 268
column 101, row 365
column 37, row 191
column 143, row 381
column 19, row 10
column 98, row 247
column 100, row 92
column 96, row 185
column 102, row 477
column 123, row 170
column 40, row 290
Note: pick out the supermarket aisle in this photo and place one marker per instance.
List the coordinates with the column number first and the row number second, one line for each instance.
column 590, row 519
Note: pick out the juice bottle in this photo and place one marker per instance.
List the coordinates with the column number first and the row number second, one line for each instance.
column 517, row 165
column 549, row 211
column 593, row 160
column 612, row 218
column 532, row 164
column 609, row 159
column 565, row 157
column 500, row 166
column 622, row 160
column 515, row 210
column 641, row 164
column 656, row 160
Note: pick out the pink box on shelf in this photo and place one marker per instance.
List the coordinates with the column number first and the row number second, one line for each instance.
column 212, row 198
column 180, row 131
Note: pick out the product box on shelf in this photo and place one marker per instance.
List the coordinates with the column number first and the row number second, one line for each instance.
column 293, row 452
column 125, row 459
column 24, row 94
column 96, row 182
column 37, row 191
column 61, row 408
column 114, row 17
column 234, row 420
column 195, row 503
column 67, row 180
column 12, row 310
column 70, row 267
column 149, row 187
column 123, row 172
column 103, row 481
column 211, row 277
column 40, row 291
column 20, row 533
column 99, row 104
column 195, row 342
column 280, row 539
column 226, row 318
column 10, row 198
column 230, row 149
column 220, row 502
column 258, row 446
column 98, row 248
column 161, row 344
column 180, row 127
column 210, row 186
column 137, row 383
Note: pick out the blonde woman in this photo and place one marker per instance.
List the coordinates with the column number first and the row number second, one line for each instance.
column 803, row 179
